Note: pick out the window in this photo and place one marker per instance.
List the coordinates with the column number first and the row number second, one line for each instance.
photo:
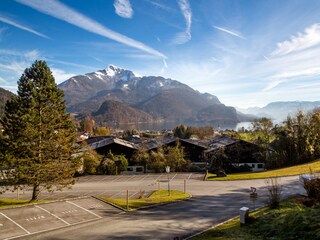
column 253, row 165
column 260, row 165
column 139, row 169
column 129, row 169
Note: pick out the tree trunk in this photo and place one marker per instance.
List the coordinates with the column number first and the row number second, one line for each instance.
column 35, row 192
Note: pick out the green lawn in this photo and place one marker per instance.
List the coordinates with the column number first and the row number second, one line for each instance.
column 289, row 171
column 7, row 203
column 291, row 221
column 160, row 196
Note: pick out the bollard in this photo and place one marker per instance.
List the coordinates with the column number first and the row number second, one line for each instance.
column 127, row 200
column 244, row 215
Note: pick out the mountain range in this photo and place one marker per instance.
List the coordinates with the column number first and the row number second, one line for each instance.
column 122, row 96
column 280, row 110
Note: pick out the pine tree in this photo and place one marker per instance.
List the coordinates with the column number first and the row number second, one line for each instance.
column 39, row 133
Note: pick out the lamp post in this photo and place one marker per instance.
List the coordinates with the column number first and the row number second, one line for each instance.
column 168, row 171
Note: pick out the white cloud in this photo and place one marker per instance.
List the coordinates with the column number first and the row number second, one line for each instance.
column 60, row 75
column 309, row 38
column 231, row 32
column 18, row 25
column 123, row 8
column 160, row 5
column 185, row 36
column 67, row 14
column 2, row 29
column 272, row 85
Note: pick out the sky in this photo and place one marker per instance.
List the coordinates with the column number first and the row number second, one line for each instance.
column 246, row 52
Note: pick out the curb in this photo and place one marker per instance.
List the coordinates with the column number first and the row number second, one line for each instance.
column 114, row 205
column 145, row 207
column 210, row 228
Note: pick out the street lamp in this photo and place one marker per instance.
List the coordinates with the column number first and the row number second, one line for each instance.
column 168, row 171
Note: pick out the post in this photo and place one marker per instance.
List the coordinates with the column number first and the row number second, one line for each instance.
column 127, row 200
column 185, row 186
column 169, row 193
column 168, row 171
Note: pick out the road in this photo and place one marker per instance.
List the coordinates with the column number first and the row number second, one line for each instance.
column 212, row 203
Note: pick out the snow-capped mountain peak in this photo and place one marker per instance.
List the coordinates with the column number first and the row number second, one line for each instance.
column 112, row 70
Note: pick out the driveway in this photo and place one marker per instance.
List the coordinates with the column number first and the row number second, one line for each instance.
column 212, row 203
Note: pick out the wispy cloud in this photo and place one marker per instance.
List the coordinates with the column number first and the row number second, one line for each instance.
column 2, row 30
column 72, row 64
column 309, row 38
column 123, row 8
column 161, row 6
column 272, row 85
column 20, row 26
column 67, row 14
column 231, row 32
column 185, row 36
column 60, row 75
column 13, row 63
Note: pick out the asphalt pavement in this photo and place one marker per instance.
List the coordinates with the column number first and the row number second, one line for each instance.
column 212, row 203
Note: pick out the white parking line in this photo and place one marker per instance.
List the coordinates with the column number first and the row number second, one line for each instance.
column 15, row 223
column 174, row 176
column 189, row 176
column 53, row 215
column 84, row 209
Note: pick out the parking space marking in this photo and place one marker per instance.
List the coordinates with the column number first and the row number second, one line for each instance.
column 189, row 176
column 130, row 178
column 53, row 215
column 174, row 176
column 158, row 177
column 35, row 218
column 83, row 209
column 15, row 223
column 118, row 193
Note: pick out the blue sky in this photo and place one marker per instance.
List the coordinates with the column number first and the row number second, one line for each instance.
column 247, row 53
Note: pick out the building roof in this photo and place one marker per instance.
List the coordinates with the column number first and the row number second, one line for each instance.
column 157, row 142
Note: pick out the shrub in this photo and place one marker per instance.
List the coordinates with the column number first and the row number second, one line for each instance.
column 274, row 190
column 312, row 188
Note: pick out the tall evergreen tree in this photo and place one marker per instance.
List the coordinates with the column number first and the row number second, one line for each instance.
column 39, row 133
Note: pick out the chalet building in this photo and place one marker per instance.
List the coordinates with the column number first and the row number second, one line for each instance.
column 239, row 152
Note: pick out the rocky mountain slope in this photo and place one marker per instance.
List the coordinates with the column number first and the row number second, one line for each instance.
column 4, row 97
column 113, row 89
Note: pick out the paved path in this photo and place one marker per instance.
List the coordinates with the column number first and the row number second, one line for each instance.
column 212, row 203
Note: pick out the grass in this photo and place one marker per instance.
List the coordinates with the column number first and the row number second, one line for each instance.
column 291, row 221
column 8, row 203
column 160, row 196
column 289, row 171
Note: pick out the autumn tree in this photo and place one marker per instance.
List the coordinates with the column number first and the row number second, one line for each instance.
column 175, row 159
column 114, row 163
column 262, row 127
column 91, row 161
column 101, row 131
column 141, row 158
column 39, row 133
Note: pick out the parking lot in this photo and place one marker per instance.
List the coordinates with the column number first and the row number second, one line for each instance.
column 84, row 218
column 115, row 186
column 28, row 220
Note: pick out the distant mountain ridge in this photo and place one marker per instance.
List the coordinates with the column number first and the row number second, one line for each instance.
column 280, row 110
column 149, row 96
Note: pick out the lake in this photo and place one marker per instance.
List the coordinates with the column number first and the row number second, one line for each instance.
column 158, row 126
